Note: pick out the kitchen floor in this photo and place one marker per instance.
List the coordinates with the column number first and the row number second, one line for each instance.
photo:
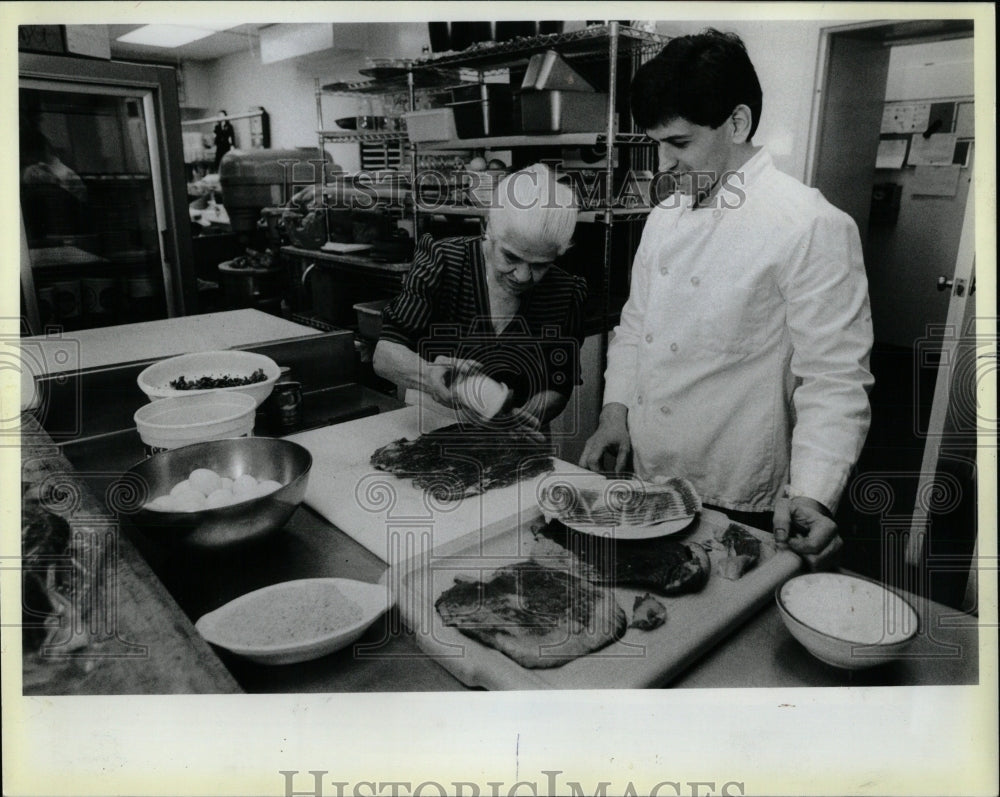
column 877, row 506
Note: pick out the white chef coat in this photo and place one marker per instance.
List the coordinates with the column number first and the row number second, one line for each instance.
column 742, row 353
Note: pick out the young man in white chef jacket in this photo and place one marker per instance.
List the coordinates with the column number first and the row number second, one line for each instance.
column 741, row 359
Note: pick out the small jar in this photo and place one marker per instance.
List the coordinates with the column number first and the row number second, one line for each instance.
column 286, row 404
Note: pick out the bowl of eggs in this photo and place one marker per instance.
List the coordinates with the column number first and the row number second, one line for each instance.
column 217, row 493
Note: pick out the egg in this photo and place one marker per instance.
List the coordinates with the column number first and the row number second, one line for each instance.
column 477, row 164
column 220, row 497
column 496, row 165
column 204, row 480
column 244, row 485
column 226, row 483
column 266, row 486
column 181, row 487
column 163, row 503
column 189, row 502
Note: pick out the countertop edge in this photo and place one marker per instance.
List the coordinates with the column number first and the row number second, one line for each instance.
column 152, row 647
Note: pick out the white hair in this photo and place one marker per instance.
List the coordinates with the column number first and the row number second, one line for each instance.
column 533, row 207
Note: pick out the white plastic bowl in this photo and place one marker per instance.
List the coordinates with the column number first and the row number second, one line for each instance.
column 185, row 419
column 155, row 380
column 257, row 611
column 846, row 621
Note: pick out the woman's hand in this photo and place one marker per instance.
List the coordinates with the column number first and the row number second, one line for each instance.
column 402, row 365
column 519, row 420
column 611, row 435
column 439, row 377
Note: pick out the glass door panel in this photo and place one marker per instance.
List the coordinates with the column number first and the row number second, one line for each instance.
column 90, row 205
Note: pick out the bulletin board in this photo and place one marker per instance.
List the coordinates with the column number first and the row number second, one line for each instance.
column 925, row 134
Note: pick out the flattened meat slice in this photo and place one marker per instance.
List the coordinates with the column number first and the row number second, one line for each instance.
column 538, row 616
column 454, row 462
column 662, row 564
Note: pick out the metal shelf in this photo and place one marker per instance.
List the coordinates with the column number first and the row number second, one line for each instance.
column 428, row 79
column 616, row 47
column 535, row 140
column 585, row 216
column 375, row 136
column 116, row 177
column 589, row 42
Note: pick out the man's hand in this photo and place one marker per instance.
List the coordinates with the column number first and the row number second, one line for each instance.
column 805, row 526
column 611, row 435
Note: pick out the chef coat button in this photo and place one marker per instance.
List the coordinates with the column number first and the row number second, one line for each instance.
column 638, row 400
column 664, row 270
column 695, row 281
column 673, row 347
column 665, row 409
column 649, row 338
column 716, row 214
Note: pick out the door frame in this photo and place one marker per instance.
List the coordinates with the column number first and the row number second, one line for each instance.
column 964, row 267
column 949, row 29
column 161, row 83
column 936, row 436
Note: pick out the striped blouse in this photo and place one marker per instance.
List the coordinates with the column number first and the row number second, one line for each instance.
column 444, row 309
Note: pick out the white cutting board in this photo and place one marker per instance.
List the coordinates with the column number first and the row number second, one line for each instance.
column 388, row 515
column 640, row 659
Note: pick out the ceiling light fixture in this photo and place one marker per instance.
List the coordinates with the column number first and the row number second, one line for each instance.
column 171, row 35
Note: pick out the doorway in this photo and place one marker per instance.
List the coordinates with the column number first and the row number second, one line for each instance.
column 889, row 94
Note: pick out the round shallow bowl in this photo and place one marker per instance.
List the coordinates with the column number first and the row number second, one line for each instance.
column 846, row 621
column 295, row 620
column 155, row 380
column 183, row 420
column 251, row 520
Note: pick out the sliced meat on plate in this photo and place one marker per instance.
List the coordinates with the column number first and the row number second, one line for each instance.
column 619, row 503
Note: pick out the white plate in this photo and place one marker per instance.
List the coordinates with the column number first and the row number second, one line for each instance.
column 587, row 479
column 256, row 611
column 664, row 529
column 333, row 246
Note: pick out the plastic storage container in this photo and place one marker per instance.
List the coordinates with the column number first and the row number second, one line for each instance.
column 562, row 111
column 437, row 124
column 175, row 422
column 476, row 116
column 370, row 318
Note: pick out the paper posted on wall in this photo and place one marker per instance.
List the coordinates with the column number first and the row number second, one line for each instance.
column 891, row 153
column 935, row 150
column 936, row 180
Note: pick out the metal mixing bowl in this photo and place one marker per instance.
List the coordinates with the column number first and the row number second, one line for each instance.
column 255, row 519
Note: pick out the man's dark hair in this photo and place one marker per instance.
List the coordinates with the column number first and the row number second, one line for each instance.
column 700, row 78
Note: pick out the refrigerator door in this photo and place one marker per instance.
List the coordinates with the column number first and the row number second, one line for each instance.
column 99, row 215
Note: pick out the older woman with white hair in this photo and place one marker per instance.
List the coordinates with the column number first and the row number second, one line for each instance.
column 494, row 304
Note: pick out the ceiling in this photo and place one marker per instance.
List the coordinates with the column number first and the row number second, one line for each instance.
column 241, row 37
